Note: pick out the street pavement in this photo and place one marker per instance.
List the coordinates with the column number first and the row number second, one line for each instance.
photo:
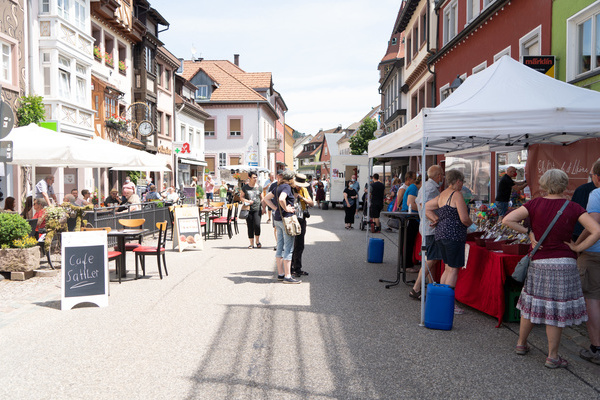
column 221, row 326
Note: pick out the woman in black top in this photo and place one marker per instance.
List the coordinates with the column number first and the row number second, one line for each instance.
column 251, row 195
column 350, row 197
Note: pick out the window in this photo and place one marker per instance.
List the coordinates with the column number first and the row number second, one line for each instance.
column 222, row 159
column 423, row 27
column 168, row 125
column 480, row 67
column 110, row 106
column 444, row 92
column 408, row 47
column 46, row 74
column 190, row 139
column 450, row 21
column 80, row 14
column 583, row 42
column 234, row 160
column 472, row 10
column 159, row 72
column 235, row 127
column 65, row 76
column 394, row 41
column 159, row 123
column 6, row 63
column 202, row 92
column 45, row 6
column 486, row 3
column 150, row 60
column 209, row 128
column 63, row 8
column 530, row 44
column 167, row 79
column 416, row 37
column 505, row 52
column 81, row 91
column 181, row 133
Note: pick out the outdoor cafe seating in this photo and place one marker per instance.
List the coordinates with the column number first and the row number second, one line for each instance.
column 159, row 251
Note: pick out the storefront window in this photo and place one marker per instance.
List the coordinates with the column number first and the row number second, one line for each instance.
column 476, row 169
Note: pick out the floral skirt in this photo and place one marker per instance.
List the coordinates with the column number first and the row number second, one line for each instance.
column 552, row 293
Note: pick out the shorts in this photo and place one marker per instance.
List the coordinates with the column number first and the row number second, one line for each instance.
column 453, row 252
column 376, row 210
column 433, row 248
column 502, row 207
column 588, row 264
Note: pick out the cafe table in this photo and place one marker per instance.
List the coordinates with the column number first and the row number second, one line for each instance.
column 403, row 218
column 122, row 236
column 208, row 212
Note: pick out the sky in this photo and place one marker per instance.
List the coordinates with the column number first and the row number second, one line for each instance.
column 323, row 54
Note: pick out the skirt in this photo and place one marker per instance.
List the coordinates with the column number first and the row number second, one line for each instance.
column 552, row 293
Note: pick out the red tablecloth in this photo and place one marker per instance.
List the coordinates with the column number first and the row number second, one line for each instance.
column 481, row 284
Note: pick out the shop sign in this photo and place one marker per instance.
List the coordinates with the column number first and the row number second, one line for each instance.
column 575, row 159
column 543, row 64
column 184, row 149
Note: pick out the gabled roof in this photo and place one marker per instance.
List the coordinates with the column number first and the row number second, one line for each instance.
column 256, row 80
column 332, row 142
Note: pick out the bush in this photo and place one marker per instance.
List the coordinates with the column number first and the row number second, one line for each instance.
column 31, row 110
column 12, row 227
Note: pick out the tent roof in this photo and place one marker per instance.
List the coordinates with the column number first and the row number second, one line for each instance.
column 504, row 107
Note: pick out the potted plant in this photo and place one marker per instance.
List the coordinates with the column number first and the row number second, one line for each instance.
column 116, row 122
column 108, row 59
column 122, row 67
column 18, row 251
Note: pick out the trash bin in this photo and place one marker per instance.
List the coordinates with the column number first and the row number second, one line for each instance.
column 375, row 250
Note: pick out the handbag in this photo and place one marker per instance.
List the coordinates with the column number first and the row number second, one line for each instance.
column 291, row 224
column 244, row 212
column 522, row 267
column 306, row 214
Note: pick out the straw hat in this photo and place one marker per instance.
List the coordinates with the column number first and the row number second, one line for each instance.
column 301, row 180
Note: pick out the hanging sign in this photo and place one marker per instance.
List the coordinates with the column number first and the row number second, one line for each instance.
column 188, row 231
column 185, row 148
column 543, row 64
column 84, row 269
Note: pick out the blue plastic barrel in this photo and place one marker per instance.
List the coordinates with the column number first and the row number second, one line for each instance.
column 375, row 250
column 439, row 307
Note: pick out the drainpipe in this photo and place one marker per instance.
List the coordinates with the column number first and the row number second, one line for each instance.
column 30, row 45
column 258, row 132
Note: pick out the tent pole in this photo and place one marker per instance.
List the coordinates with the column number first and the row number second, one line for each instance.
column 368, row 205
column 422, row 222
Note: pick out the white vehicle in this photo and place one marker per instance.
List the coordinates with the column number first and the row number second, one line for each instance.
column 342, row 168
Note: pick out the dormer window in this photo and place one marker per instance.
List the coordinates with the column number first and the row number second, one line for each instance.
column 394, row 41
column 202, row 92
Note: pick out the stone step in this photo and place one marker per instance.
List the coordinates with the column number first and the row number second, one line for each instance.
column 21, row 275
column 46, row 273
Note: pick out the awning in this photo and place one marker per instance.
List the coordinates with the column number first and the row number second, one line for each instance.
column 192, row 161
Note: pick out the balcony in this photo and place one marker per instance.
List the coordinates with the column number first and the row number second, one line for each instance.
column 273, row 145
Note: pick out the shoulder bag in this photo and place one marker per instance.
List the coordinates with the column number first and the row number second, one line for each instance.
column 521, row 269
column 291, row 224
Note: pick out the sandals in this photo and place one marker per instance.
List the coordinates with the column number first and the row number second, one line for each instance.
column 522, row 349
column 556, row 363
column 258, row 245
column 251, row 246
column 414, row 294
column 269, row 221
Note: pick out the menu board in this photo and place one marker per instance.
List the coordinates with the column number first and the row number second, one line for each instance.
column 188, row 231
column 84, row 272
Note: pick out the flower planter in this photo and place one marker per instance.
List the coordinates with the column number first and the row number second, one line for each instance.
column 19, row 260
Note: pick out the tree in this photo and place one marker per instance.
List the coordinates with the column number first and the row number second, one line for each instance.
column 359, row 143
column 31, row 110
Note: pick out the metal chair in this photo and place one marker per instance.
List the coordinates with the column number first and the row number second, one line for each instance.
column 132, row 223
column 112, row 255
column 142, row 251
column 221, row 222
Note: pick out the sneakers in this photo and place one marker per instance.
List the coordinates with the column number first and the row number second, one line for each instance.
column 556, row 363
column 280, row 277
column 291, row 280
column 590, row 356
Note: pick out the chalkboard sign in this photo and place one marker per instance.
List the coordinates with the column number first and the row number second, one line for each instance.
column 188, row 231
column 190, row 195
column 84, row 269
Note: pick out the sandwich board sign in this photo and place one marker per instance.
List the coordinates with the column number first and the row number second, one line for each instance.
column 84, row 272
column 188, row 231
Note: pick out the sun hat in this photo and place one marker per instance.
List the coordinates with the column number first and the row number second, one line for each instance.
column 301, row 180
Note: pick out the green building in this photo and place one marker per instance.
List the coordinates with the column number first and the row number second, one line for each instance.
column 576, row 42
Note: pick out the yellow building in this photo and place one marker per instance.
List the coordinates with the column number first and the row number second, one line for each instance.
column 288, row 146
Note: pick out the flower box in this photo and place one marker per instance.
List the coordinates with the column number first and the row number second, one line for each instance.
column 19, row 260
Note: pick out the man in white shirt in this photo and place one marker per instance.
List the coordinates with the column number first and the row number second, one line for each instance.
column 44, row 190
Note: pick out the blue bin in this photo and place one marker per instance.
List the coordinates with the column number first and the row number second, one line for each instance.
column 439, row 307
column 375, row 250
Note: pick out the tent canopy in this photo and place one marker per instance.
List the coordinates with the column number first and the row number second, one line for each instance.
column 505, row 107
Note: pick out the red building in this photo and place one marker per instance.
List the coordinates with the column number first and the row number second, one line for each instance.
column 473, row 34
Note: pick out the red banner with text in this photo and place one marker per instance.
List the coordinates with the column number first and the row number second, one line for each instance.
column 575, row 159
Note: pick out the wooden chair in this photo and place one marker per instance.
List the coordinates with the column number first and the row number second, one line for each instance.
column 132, row 223
column 142, row 251
column 222, row 222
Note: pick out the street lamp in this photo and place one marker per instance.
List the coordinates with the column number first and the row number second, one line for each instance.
column 455, row 84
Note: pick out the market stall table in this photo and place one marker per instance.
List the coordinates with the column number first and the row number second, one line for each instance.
column 481, row 284
column 403, row 218
column 122, row 235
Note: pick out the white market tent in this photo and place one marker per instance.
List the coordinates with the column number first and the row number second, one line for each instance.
column 504, row 107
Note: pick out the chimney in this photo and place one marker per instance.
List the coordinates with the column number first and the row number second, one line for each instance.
column 236, row 59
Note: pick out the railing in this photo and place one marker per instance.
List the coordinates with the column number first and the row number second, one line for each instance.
column 110, row 216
